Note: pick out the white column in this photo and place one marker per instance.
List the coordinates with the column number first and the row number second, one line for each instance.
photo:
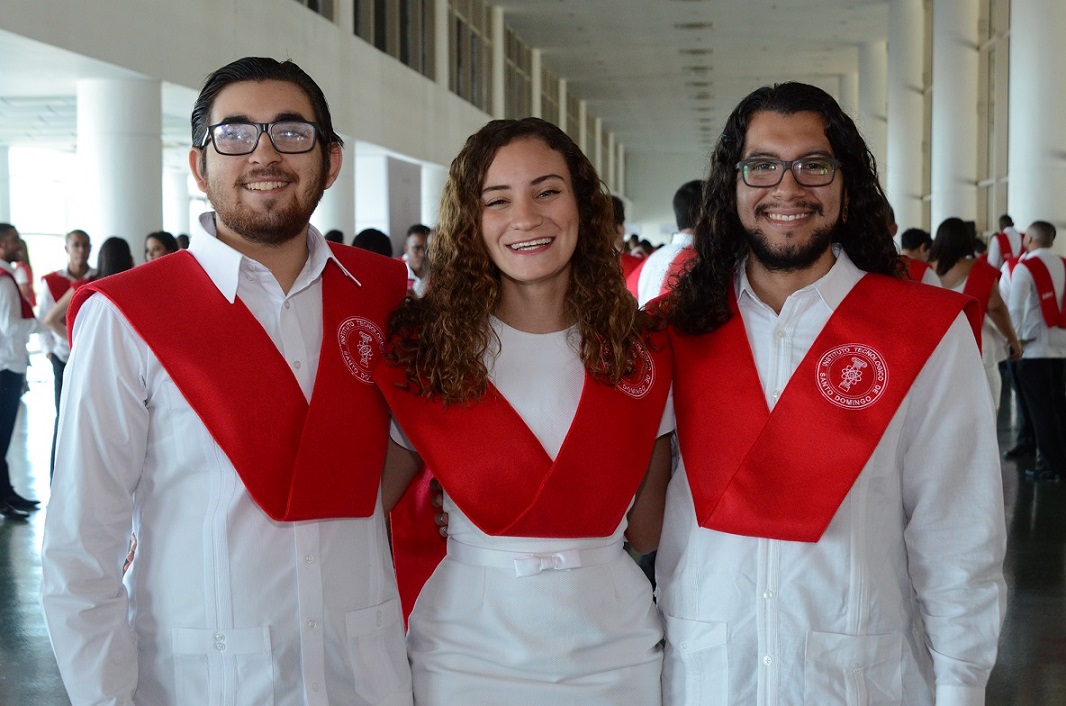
column 563, row 114
column 904, row 156
column 498, row 64
column 1037, row 100
column 597, row 148
column 849, row 94
column 176, row 200
column 953, row 163
column 582, row 126
column 433, row 178
column 873, row 72
column 620, row 168
column 5, row 186
column 336, row 210
column 345, row 17
column 536, row 83
column 372, row 196
column 441, row 42
column 120, row 155
column 610, row 176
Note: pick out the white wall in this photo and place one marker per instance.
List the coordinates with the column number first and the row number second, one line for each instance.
column 651, row 182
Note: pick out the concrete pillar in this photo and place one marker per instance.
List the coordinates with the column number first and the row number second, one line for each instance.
column 499, row 65
column 620, row 170
column 873, row 72
column 563, row 114
column 597, row 147
column 849, row 94
column 1037, row 165
column 536, row 83
column 953, row 162
column 5, row 186
column 441, row 42
column 336, row 210
column 904, row 170
column 176, row 200
column 582, row 126
column 609, row 170
column 120, row 155
column 433, row 178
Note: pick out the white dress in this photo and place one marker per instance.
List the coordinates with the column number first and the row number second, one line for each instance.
column 481, row 634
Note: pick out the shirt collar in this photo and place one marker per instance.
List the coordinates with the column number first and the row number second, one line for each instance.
column 223, row 264
column 683, row 239
column 7, row 266
column 831, row 287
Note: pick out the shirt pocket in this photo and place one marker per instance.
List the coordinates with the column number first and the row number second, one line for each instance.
column 695, row 662
column 377, row 654
column 856, row 670
column 224, row 667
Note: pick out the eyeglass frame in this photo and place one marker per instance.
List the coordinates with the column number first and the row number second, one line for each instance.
column 209, row 135
column 787, row 165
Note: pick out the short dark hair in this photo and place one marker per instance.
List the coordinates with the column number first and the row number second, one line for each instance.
column 169, row 242
column 419, row 229
column 6, row 228
column 619, row 210
column 700, row 301
column 258, row 69
column 914, row 238
column 334, row 236
column 1005, row 221
column 687, row 201
column 76, row 231
column 1042, row 232
column 373, row 240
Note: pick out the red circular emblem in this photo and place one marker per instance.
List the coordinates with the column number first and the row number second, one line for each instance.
column 852, row 376
column 640, row 382
column 361, row 341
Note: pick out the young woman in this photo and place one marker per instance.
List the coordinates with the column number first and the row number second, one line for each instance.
column 525, row 381
column 952, row 258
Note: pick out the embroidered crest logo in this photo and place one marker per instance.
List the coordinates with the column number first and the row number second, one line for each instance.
column 852, row 376
column 360, row 342
column 640, row 382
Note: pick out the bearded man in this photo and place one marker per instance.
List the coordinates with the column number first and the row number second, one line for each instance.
column 219, row 406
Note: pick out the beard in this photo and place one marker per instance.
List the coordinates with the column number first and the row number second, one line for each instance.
column 279, row 222
column 792, row 256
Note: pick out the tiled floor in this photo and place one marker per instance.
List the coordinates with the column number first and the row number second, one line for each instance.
column 1032, row 660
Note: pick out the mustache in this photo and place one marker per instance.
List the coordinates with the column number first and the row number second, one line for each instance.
column 272, row 172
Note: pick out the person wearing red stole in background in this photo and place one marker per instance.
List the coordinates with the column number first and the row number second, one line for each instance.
column 1037, row 304
column 952, row 257
column 219, row 404
column 835, row 523
column 525, row 380
column 659, row 272
column 914, row 246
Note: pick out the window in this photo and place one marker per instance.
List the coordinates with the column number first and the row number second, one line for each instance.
column 403, row 29
column 470, row 74
column 518, row 82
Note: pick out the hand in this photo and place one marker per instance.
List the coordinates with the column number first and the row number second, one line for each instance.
column 441, row 518
column 1015, row 349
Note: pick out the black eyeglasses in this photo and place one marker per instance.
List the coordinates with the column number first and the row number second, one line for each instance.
column 287, row 136
column 762, row 172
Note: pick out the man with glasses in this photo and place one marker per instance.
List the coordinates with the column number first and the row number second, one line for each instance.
column 834, row 530
column 219, row 407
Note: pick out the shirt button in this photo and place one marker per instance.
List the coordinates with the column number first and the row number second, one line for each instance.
column 297, row 365
column 767, row 660
column 314, row 687
column 219, row 637
column 777, row 393
column 780, row 334
column 379, row 618
column 287, row 304
column 684, row 646
column 220, row 646
column 309, row 559
column 768, row 594
column 312, row 624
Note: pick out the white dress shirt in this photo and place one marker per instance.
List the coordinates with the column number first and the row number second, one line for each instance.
column 902, row 598
column 221, row 605
column 657, row 265
column 1023, row 302
column 52, row 342
column 996, row 254
column 14, row 330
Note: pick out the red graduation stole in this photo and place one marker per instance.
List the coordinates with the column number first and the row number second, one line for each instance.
column 57, row 284
column 677, row 268
column 298, row 461
column 27, row 310
column 915, row 268
column 783, row 474
column 979, row 285
column 494, row 468
column 1053, row 311
column 1005, row 250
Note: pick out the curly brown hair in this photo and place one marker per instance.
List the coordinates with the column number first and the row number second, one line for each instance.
column 442, row 338
column 700, row 301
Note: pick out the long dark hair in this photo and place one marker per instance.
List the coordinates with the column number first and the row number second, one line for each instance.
column 699, row 302
column 114, row 257
column 953, row 242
